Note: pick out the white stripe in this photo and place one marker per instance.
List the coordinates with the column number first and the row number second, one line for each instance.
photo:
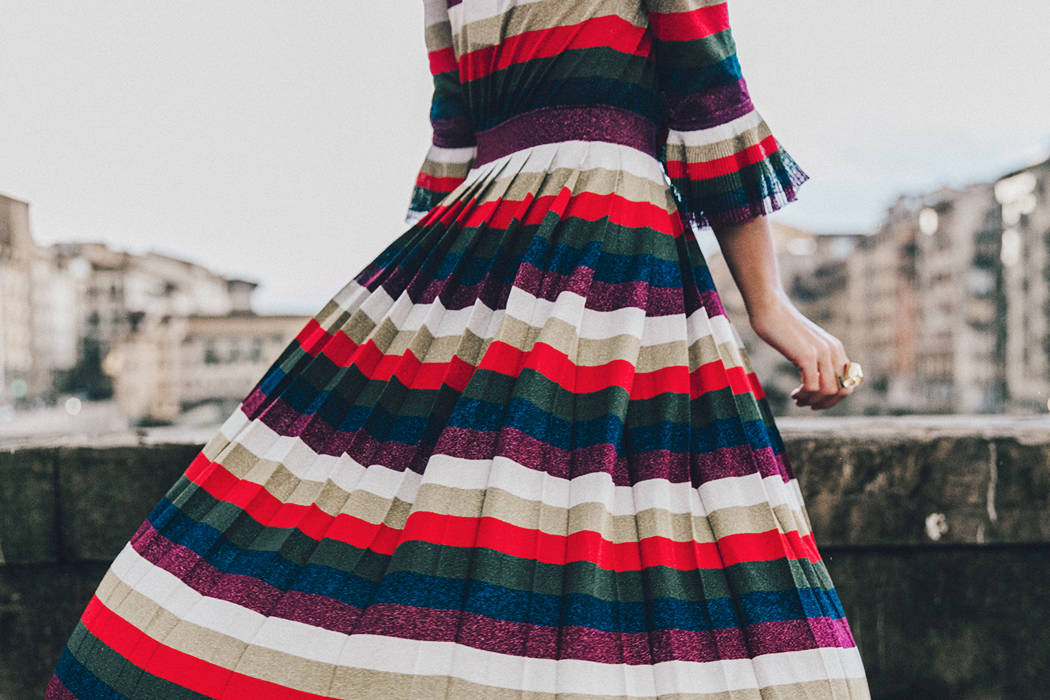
column 596, row 325
column 720, row 328
column 434, row 12
column 568, row 307
column 473, row 10
column 437, row 154
column 741, row 491
column 394, row 655
column 351, row 297
column 716, row 134
column 576, row 155
column 237, row 421
column 377, row 304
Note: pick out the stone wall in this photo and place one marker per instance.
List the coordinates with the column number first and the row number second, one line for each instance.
column 936, row 532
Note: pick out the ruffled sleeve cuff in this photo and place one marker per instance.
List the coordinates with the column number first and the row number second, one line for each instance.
column 730, row 173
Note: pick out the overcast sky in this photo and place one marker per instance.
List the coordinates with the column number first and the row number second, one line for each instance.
column 278, row 139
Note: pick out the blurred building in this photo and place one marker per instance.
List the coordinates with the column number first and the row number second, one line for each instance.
column 883, row 282
column 163, row 369
column 921, row 303
column 16, row 330
column 119, row 288
column 166, row 334
column 38, row 335
column 1024, row 198
column 170, row 334
column 927, row 302
column 958, row 277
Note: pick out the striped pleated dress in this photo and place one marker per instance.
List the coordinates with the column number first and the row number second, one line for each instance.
column 521, row 456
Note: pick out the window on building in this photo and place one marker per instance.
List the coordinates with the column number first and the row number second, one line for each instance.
column 211, row 353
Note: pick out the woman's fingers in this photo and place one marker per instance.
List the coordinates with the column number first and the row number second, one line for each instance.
column 820, row 375
column 829, row 383
column 809, row 369
column 819, row 356
column 839, row 364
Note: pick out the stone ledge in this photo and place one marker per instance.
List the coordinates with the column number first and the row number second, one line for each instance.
column 1025, row 429
column 924, row 480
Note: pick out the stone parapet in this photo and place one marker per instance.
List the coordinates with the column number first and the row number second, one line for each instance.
column 935, row 530
column 948, row 480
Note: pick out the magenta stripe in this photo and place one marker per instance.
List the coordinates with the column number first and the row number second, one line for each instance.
column 712, row 303
column 466, row 443
column 566, row 123
column 816, row 632
column 253, row 402
column 480, row 632
column 704, row 110
column 601, row 296
column 540, row 642
column 453, row 133
column 57, row 691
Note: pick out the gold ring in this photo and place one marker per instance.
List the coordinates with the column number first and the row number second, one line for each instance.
column 854, row 376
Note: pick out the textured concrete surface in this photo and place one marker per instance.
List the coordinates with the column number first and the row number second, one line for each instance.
column 936, row 532
column 955, row 622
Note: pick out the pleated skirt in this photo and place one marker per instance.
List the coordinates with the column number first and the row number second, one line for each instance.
column 521, row 455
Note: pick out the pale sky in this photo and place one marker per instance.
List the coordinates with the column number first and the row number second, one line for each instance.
column 278, row 140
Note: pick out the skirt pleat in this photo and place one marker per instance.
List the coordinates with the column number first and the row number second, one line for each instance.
column 521, row 455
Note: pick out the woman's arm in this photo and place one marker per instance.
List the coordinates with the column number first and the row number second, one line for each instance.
column 819, row 356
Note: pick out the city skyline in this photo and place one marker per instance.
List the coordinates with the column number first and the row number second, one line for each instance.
column 279, row 142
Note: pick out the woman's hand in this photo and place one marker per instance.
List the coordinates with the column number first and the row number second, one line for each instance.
column 819, row 356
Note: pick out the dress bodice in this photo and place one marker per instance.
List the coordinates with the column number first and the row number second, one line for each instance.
column 661, row 76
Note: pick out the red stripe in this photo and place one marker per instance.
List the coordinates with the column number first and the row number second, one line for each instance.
column 549, row 362
column 311, row 337
column 610, row 31
column 690, row 26
column 556, row 366
column 455, row 531
column 339, row 348
column 723, row 166
column 438, row 184
column 499, row 214
column 185, row 670
column 442, row 61
column 586, row 205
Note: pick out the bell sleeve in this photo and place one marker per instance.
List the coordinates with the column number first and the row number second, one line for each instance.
column 724, row 165
column 451, row 156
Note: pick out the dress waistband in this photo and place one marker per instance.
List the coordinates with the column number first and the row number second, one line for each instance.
column 566, row 123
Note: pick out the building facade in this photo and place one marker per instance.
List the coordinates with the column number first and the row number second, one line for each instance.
column 934, row 304
column 958, row 276
column 86, row 319
column 183, row 362
column 37, row 299
column 1024, row 200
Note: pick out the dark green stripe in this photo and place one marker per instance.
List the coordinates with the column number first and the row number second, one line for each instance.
column 597, row 62
column 698, row 53
column 120, row 674
column 501, row 569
